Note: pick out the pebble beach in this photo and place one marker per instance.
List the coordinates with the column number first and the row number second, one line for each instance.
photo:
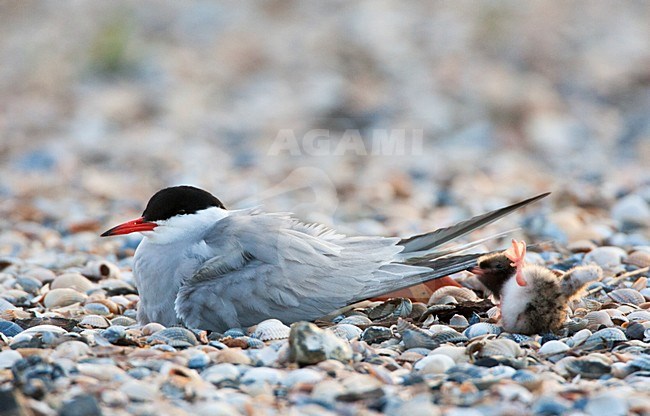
column 370, row 117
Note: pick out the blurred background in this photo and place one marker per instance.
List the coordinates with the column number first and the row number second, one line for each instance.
column 103, row 103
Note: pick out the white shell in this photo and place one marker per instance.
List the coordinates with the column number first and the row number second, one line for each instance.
column 72, row 281
column 434, row 364
column 271, row 329
column 553, row 347
column 499, row 347
column 627, row 295
column 597, row 318
column 57, row 298
column 347, row 331
column 102, row 270
column 460, row 294
column 94, row 321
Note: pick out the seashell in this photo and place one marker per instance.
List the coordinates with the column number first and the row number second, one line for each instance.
column 414, row 337
column 607, row 257
column 638, row 258
column 376, row 334
column 117, row 287
column 222, row 375
column 598, row 318
column 591, row 304
column 140, row 391
column 635, row 330
column 480, row 329
column 253, row 342
column 40, row 273
column 356, row 320
column 641, row 362
column 29, row 284
column 9, row 328
column 151, row 328
column 271, row 329
column 434, row 364
column 309, row 344
column 519, row 338
column 72, row 350
column 94, row 321
column 604, row 338
column 446, row 300
column 8, row 358
column 176, row 337
column 303, row 377
column 346, row 331
column 198, row 360
column 17, row 297
column 493, row 313
column 98, row 270
column 592, row 366
column 235, row 332
column 527, row 379
column 627, row 295
column 113, row 307
column 57, row 298
column 114, row 334
column 579, row 337
column 496, row 347
column 412, row 355
column 465, row 372
column 616, row 316
column 640, row 283
column 610, row 334
column 458, row 321
column 97, row 308
column 123, row 321
column 45, row 328
column 639, row 315
column 625, row 309
column 72, row 281
column 553, row 347
column 581, row 246
column 576, row 324
column 397, row 307
column 418, row 309
column 459, row 294
column 456, row 353
column 5, row 305
column 262, row 375
column 450, row 336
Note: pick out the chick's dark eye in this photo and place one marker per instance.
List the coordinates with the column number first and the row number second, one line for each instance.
column 499, row 266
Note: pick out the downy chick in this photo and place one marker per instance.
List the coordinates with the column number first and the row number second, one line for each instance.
column 535, row 300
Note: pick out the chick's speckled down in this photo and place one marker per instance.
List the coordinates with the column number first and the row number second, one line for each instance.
column 541, row 305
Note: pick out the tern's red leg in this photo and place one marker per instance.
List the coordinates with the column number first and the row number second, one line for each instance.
column 516, row 254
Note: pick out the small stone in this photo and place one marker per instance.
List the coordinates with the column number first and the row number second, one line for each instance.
column 139, row 390
column 82, row 405
column 8, row 358
column 631, row 211
column 309, row 344
column 233, row 356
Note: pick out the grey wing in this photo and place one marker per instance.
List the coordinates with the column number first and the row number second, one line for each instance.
column 270, row 265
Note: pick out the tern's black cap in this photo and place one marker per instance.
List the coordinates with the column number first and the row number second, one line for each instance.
column 178, row 200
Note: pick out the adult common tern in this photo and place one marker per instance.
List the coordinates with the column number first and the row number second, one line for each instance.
column 203, row 266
